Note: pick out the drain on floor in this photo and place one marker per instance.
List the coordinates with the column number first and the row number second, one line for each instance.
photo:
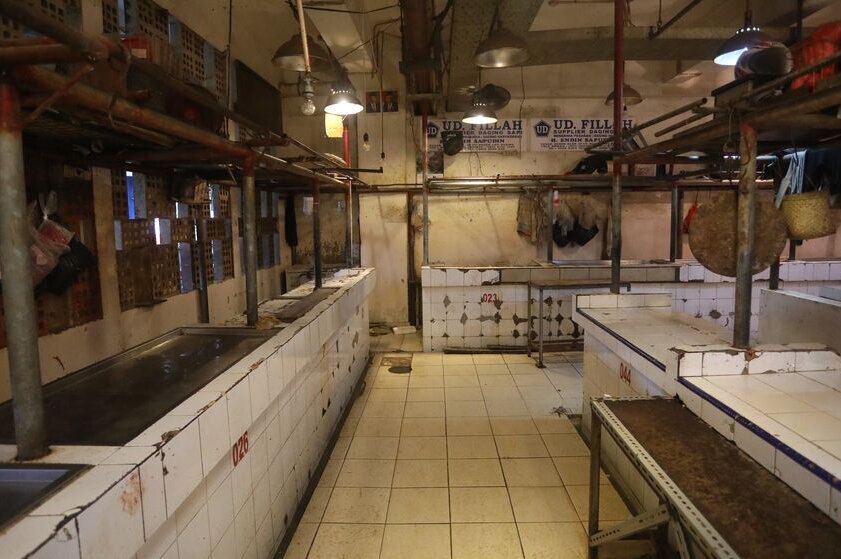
column 400, row 360
column 400, row 369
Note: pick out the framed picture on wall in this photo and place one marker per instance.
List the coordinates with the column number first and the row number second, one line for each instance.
column 372, row 101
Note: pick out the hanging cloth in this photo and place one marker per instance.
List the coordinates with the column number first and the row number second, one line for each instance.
column 793, row 180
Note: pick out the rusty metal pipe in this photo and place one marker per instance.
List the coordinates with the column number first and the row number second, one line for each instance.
column 38, row 54
column 95, row 99
column 745, row 233
column 249, row 221
column 18, row 296
column 316, row 233
column 94, row 48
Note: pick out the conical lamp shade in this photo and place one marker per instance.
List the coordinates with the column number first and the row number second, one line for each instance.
column 479, row 113
column 343, row 101
column 730, row 51
column 290, row 55
column 501, row 49
column 630, row 96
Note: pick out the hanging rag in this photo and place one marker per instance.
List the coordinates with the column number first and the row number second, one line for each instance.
column 793, row 180
column 531, row 215
column 563, row 225
column 822, row 170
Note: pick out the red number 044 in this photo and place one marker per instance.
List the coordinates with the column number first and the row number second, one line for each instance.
column 625, row 373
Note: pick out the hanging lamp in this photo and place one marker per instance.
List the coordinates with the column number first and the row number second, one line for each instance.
column 630, row 96
column 479, row 113
column 290, row 55
column 502, row 48
column 343, row 101
column 746, row 37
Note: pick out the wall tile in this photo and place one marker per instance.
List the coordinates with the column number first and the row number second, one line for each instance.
column 113, row 525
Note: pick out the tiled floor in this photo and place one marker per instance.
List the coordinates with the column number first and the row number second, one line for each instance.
column 462, row 458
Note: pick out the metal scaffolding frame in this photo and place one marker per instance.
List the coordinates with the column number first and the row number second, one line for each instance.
column 795, row 111
column 21, row 64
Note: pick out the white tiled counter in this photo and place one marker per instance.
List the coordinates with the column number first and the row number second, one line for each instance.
column 481, row 307
column 777, row 402
column 222, row 474
column 787, row 317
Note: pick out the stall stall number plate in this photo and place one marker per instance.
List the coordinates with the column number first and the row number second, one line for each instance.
column 240, row 449
column 489, row 298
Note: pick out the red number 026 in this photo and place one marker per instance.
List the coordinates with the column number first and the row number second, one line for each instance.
column 240, row 449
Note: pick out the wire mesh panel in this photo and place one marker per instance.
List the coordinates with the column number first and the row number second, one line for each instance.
column 158, row 202
column 110, row 16
column 119, row 193
column 220, row 74
column 166, row 279
column 192, row 55
column 147, row 17
column 56, row 9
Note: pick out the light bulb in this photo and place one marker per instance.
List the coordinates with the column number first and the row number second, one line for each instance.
column 308, row 107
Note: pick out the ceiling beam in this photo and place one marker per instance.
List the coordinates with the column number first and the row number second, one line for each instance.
column 567, row 46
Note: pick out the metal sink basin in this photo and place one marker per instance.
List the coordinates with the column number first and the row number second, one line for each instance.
column 23, row 486
column 113, row 401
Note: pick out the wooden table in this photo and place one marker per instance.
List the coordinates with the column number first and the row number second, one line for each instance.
column 541, row 286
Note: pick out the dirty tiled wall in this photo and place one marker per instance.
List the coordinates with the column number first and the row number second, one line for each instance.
column 482, row 307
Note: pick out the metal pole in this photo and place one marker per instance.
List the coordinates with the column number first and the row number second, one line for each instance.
column 201, row 239
column 540, row 329
column 774, row 278
column 349, row 224
column 595, row 479
column 745, row 234
column 425, row 171
column 316, row 233
column 249, row 220
column 550, row 249
column 618, row 104
column 18, row 299
column 675, row 241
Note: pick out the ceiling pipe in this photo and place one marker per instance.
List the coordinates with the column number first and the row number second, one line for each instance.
column 306, row 48
column 417, row 39
column 655, row 32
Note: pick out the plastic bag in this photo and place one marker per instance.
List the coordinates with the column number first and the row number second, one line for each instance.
column 49, row 241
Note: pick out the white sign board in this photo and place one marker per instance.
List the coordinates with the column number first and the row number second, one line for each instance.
column 570, row 134
column 502, row 136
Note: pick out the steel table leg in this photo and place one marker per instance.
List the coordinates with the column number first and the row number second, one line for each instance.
column 540, row 328
column 595, row 473
column 530, row 323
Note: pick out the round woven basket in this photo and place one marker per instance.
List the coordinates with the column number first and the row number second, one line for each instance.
column 807, row 215
column 713, row 238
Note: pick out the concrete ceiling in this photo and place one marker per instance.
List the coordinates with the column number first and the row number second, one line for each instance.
column 577, row 31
